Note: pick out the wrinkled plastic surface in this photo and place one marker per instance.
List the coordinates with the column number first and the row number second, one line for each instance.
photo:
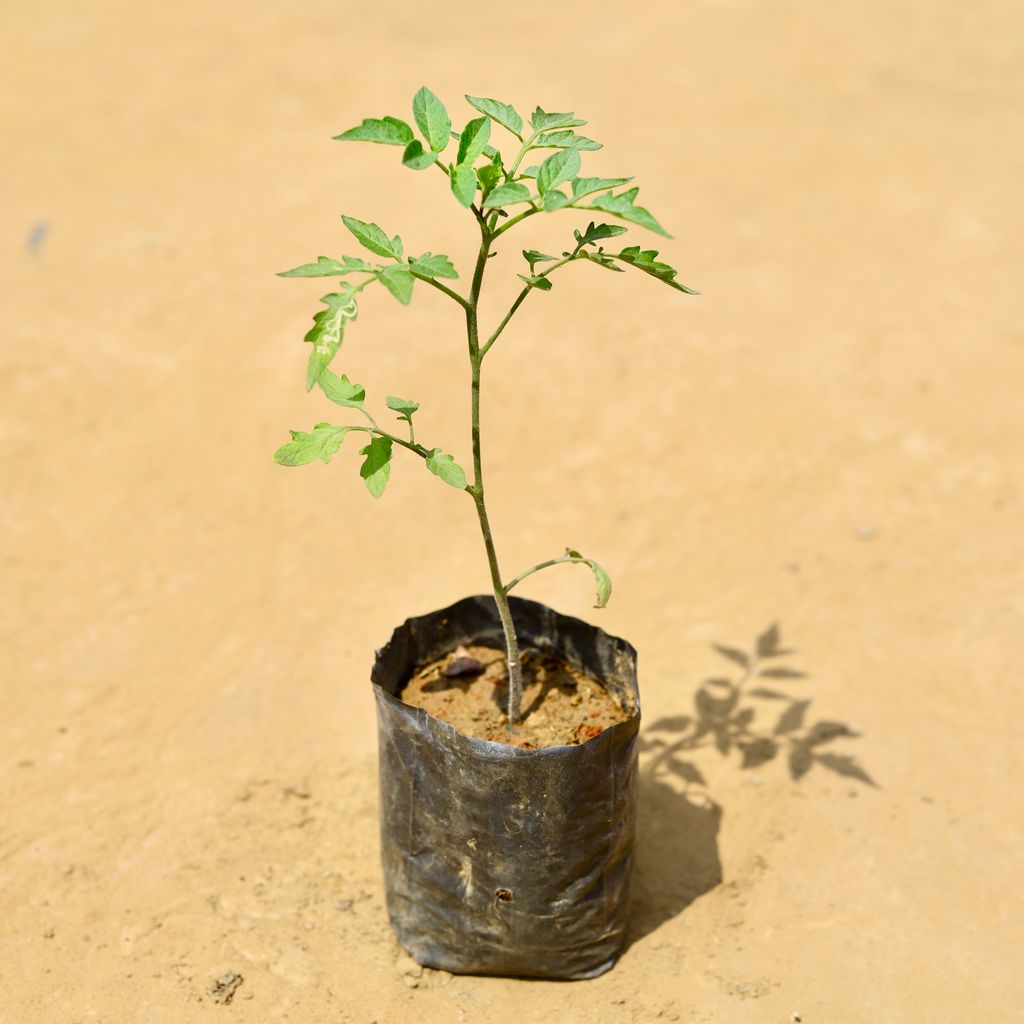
column 499, row 860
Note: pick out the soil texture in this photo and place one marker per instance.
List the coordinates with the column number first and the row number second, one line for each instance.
column 562, row 706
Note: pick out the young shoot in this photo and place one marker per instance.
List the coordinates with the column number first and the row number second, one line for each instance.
column 539, row 174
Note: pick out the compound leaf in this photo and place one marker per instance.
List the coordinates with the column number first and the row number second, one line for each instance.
column 307, row 446
column 504, row 114
column 646, row 260
column 376, row 467
column 432, row 119
column 387, row 130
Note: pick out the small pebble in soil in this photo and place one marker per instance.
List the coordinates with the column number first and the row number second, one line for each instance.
column 462, row 663
column 223, row 989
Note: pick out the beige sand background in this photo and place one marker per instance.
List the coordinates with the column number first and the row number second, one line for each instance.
column 829, row 438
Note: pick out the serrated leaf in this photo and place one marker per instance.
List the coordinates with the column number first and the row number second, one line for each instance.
column 533, row 258
column 341, row 390
column 505, row 195
column 597, row 232
column 582, row 187
column 432, row 119
column 463, row 179
column 388, row 130
column 418, row 158
column 623, row 205
column 555, row 200
column 473, row 139
column 327, row 267
column 543, row 121
column 319, row 443
column 371, row 237
column 563, row 140
column 537, row 282
column 503, row 113
column 398, row 280
column 602, row 260
column 601, row 577
column 558, row 167
column 445, row 467
column 376, row 467
column 646, row 260
column 431, row 265
column 401, row 405
column 326, row 333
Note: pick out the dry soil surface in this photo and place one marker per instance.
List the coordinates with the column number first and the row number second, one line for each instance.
column 831, row 438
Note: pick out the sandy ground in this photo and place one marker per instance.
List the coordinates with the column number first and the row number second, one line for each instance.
column 830, row 438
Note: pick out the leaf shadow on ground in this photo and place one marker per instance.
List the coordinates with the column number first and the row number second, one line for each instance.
column 749, row 713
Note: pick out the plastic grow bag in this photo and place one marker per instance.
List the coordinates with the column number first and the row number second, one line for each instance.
column 499, row 860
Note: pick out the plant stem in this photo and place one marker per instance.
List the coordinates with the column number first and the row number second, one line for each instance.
column 515, row 672
column 542, row 565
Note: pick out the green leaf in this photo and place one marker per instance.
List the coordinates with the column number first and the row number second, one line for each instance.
column 376, row 467
column 602, row 260
column 601, row 577
column 398, row 279
column 646, row 260
column 429, row 265
column 389, row 130
column 558, row 167
column 530, row 172
column 505, row 195
column 402, row 405
column 542, row 121
column 585, row 186
column 327, row 330
column 326, row 267
column 505, row 115
column 473, row 140
column 491, row 174
column 446, row 468
column 555, row 200
column 463, row 183
column 341, row 390
column 319, row 443
column 596, row 232
column 538, row 282
column 371, row 237
column 432, row 119
column 622, row 205
column 533, row 257
column 418, row 158
column 564, row 140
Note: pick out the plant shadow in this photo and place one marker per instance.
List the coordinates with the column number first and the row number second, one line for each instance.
column 745, row 713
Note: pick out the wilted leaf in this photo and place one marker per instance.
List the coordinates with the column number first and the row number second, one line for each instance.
column 327, row 267
column 319, row 443
column 431, row 265
column 371, row 237
column 388, row 130
column 432, row 119
column 601, row 577
column 504, row 114
column 398, row 279
column 463, row 179
column 445, row 467
column 505, row 195
column 376, row 467
column 326, row 333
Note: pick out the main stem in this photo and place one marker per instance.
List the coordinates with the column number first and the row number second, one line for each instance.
column 515, row 671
